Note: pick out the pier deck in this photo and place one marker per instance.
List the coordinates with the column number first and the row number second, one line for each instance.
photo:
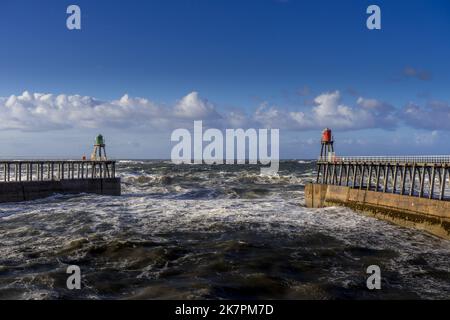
column 410, row 191
column 34, row 179
column 420, row 176
column 50, row 170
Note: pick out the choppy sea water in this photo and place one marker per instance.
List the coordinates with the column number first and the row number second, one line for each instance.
column 226, row 232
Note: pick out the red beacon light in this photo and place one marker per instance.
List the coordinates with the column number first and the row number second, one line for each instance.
column 326, row 136
column 327, row 151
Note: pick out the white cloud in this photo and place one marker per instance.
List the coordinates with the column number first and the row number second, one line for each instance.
column 194, row 107
column 270, row 116
column 330, row 111
column 237, row 119
column 40, row 112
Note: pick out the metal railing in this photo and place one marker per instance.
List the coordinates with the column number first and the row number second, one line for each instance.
column 428, row 180
column 444, row 159
column 50, row 170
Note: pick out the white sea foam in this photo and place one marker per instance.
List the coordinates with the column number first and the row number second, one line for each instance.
column 150, row 209
column 306, row 161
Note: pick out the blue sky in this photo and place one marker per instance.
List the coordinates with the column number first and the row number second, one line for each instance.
column 281, row 64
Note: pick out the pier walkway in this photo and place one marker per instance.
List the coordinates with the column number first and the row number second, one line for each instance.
column 419, row 176
column 34, row 179
column 51, row 170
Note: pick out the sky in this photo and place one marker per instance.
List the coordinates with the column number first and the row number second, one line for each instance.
column 138, row 69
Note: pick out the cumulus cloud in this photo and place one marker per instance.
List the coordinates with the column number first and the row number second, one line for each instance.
column 330, row 111
column 271, row 117
column 237, row 119
column 40, row 112
column 194, row 107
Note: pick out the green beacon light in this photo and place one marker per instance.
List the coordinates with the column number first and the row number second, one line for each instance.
column 99, row 141
column 99, row 153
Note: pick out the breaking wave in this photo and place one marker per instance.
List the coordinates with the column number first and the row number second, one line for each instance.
column 182, row 232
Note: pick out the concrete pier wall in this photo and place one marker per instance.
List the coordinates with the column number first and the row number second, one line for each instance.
column 31, row 190
column 426, row 214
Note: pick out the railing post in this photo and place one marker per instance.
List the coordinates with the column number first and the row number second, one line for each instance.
column 68, row 170
column 377, row 187
column 413, row 180
column 318, row 172
column 444, row 182
column 433, row 177
column 361, row 178
column 347, row 174
column 107, row 168
column 394, row 184
column 355, row 168
column 440, row 174
column 369, row 181
column 386, row 177
column 422, row 182
column 341, row 168
column 402, row 191
column 333, row 174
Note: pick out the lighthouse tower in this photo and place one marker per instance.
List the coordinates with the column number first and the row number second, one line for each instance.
column 99, row 153
column 327, row 151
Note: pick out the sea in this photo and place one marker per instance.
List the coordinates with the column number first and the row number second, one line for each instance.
column 211, row 232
